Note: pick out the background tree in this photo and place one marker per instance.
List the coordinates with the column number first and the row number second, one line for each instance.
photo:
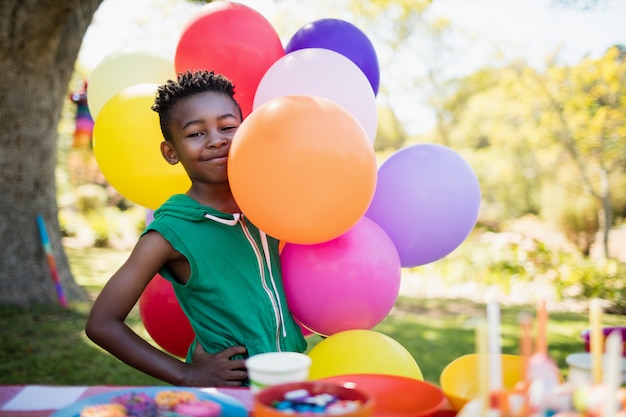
column 582, row 108
column 39, row 43
column 517, row 124
column 490, row 127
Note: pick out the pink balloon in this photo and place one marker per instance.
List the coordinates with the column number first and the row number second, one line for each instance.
column 350, row 282
column 305, row 332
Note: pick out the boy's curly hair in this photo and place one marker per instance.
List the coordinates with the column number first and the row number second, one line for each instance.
column 187, row 84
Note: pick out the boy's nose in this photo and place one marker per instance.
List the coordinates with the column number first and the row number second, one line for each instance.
column 214, row 138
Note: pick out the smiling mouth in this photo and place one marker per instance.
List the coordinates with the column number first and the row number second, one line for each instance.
column 215, row 157
column 222, row 158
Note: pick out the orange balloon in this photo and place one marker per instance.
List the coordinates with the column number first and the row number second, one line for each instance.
column 302, row 169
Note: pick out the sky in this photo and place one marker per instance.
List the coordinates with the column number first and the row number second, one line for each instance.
column 528, row 29
column 534, row 28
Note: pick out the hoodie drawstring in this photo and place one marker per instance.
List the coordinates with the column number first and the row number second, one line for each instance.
column 268, row 259
column 224, row 221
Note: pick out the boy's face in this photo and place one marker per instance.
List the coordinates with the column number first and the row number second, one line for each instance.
column 202, row 127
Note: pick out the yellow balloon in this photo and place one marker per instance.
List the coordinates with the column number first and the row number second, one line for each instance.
column 124, row 68
column 126, row 144
column 361, row 351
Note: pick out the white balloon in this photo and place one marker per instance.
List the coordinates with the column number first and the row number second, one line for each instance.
column 325, row 73
column 124, row 68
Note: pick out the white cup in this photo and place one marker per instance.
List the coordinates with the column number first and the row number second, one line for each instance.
column 580, row 368
column 273, row 368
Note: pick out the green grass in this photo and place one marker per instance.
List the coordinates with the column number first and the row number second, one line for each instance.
column 436, row 332
column 47, row 344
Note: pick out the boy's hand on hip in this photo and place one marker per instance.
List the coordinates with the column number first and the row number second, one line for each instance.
column 217, row 369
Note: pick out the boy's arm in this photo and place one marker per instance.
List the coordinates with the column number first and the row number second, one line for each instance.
column 106, row 326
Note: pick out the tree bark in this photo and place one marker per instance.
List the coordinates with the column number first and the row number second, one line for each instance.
column 39, row 44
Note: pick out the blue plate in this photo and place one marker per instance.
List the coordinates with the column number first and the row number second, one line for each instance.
column 231, row 407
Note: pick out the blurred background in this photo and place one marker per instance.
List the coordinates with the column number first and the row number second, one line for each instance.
column 531, row 94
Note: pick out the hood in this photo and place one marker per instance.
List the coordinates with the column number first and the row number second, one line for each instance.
column 185, row 207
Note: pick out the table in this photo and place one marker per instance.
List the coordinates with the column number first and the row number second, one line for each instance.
column 43, row 400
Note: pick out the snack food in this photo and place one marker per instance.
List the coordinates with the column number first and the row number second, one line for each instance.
column 104, row 410
column 199, row 408
column 137, row 404
column 168, row 403
column 168, row 400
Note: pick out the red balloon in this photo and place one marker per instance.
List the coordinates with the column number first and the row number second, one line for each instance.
column 230, row 39
column 163, row 318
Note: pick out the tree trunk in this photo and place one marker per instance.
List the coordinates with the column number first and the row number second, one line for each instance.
column 607, row 211
column 39, row 44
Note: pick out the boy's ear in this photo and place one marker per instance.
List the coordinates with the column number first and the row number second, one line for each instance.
column 169, row 153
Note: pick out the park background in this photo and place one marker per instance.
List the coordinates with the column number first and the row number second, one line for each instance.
column 516, row 89
column 541, row 231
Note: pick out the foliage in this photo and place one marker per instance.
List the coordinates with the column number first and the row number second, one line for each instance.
column 605, row 280
column 581, row 108
column 584, row 108
column 106, row 227
column 91, row 212
column 516, row 124
column 525, row 256
column 575, row 213
column 390, row 133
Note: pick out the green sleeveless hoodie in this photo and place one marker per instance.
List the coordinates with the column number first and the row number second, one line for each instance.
column 234, row 295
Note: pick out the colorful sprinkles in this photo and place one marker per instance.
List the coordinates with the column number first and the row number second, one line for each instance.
column 301, row 401
column 137, row 404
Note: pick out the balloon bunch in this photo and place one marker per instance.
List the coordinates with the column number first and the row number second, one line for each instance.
column 301, row 167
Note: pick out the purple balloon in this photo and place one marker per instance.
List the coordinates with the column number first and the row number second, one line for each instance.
column 342, row 37
column 149, row 216
column 427, row 200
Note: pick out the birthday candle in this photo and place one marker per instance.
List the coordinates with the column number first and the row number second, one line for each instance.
column 541, row 370
column 613, row 373
column 494, row 350
column 596, row 340
column 483, row 366
column 541, row 343
column 526, row 348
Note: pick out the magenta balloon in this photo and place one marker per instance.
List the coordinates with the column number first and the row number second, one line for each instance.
column 427, row 200
column 350, row 282
column 343, row 37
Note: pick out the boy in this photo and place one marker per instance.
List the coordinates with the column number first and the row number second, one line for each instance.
column 225, row 272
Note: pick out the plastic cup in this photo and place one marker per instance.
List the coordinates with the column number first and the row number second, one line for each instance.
column 586, row 336
column 274, row 368
column 581, row 366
